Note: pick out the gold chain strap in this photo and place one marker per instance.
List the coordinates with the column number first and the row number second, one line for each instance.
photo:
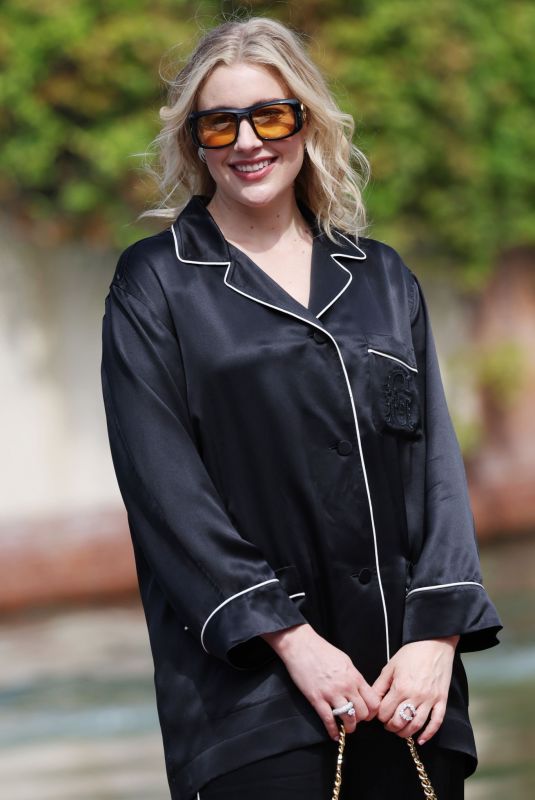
column 422, row 774
column 339, row 760
column 429, row 792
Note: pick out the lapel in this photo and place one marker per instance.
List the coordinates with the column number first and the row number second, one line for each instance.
column 199, row 236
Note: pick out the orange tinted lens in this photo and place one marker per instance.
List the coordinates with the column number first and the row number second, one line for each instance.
column 216, row 130
column 274, row 122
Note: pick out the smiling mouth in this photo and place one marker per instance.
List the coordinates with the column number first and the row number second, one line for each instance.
column 255, row 167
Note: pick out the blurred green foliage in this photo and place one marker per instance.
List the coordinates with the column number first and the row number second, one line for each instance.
column 79, row 95
column 500, row 371
column 444, row 95
column 442, row 92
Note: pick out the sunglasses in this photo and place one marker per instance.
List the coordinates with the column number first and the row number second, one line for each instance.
column 271, row 121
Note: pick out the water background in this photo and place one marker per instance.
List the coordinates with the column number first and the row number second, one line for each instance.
column 78, row 717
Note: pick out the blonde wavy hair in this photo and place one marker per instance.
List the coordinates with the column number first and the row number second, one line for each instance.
column 334, row 170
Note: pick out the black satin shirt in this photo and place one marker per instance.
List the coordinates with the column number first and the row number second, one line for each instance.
column 282, row 464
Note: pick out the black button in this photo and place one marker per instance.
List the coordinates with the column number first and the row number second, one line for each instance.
column 365, row 575
column 344, row 447
column 319, row 336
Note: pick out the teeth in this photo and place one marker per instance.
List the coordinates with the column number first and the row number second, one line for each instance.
column 252, row 167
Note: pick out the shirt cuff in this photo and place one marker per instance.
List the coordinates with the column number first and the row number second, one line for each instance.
column 448, row 609
column 232, row 630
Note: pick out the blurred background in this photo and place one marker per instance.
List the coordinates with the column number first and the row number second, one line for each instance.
column 442, row 92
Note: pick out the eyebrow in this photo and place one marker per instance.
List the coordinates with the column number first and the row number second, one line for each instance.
column 217, row 108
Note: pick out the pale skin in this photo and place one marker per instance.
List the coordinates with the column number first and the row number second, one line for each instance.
column 420, row 672
column 260, row 215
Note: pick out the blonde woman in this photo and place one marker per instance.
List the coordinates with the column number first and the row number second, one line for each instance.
column 295, row 493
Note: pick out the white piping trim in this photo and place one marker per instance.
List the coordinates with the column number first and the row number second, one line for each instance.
column 198, row 796
column 224, row 603
column 361, row 257
column 297, row 594
column 333, row 256
column 186, row 261
column 445, row 586
column 387, row 355
column 355, row 419
column 342, row 290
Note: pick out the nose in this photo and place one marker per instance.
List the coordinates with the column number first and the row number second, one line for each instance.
column 247, row 138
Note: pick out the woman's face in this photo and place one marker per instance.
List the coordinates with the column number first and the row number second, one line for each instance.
column 239, row 86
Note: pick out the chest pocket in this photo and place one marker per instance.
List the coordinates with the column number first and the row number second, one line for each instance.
column 395, row 403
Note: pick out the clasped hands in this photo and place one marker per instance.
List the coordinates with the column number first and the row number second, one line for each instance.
column 419, row 673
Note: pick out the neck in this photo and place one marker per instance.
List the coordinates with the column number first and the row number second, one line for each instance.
column 258, row 225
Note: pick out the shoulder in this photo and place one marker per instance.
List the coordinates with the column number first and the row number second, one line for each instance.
column 152, row 254
column 143, row 270
column 382, row 254
column 385, row 259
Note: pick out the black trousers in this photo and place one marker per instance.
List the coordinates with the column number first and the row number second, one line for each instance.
column 377, row 767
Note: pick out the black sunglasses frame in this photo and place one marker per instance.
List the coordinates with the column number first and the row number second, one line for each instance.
column 247, row 113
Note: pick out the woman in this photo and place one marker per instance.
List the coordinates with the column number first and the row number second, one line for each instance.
column 295, row 493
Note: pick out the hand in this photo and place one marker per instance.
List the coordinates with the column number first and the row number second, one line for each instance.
column 419, row 673
column 326, row 676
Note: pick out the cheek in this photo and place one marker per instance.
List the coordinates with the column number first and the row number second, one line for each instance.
column 294, row 158
column 293, row 152
column 214, row 163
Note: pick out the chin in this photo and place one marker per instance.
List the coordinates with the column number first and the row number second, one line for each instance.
column 259, row 196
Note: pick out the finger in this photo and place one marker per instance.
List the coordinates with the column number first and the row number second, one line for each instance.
column 398, row 724
column 325, row 712
column 390, row 702
column 383, row 682
column 349, row 720
column 371, row 697
column 371, row 715
column 437, row 717
column 361, row 708
column 420, row 719
column 395, row 724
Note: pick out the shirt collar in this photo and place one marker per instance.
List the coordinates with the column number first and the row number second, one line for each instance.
column 199, row 240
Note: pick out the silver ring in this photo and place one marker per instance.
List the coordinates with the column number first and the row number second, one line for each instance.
column 406, row 716
column 348, row 708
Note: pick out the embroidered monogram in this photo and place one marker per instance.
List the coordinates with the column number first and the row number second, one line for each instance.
column 394, row 385
column 398, row 395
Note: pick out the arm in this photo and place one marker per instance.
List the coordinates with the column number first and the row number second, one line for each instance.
column 420, row 673
column 447, row 607
column 325, row 675
column 215, row 580
column 446, row 595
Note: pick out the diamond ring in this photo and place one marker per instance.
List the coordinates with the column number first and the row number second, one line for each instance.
column 403, row 714
column 348, row 708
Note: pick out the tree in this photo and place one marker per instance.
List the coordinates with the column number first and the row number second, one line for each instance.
column 442, row 94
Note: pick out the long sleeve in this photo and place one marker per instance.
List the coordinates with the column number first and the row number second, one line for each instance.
column 446, row 595
column 217, row 581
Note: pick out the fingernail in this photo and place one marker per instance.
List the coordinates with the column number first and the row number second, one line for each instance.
column 421, row 741
column 336, row 738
